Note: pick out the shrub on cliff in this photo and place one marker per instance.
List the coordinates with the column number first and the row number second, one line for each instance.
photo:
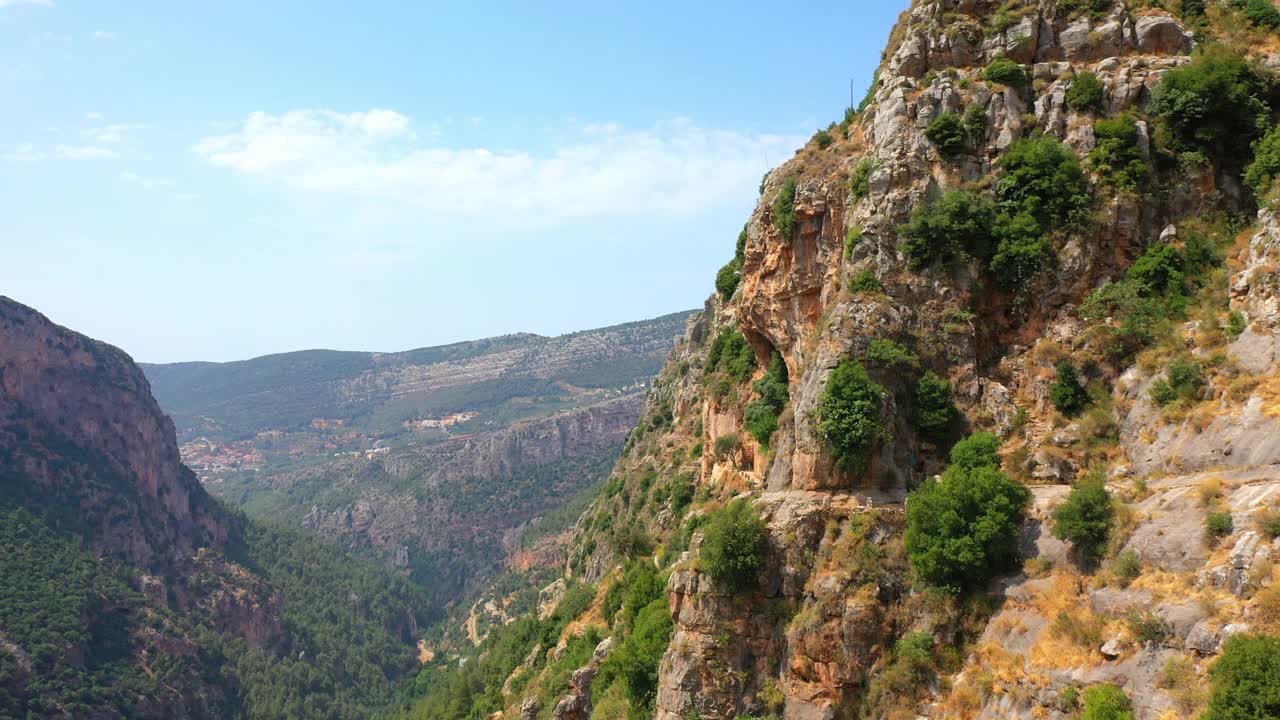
column 1085, row 519
column 1260, row 13
column 634, row 662
column 1246, row 679
column 1265, row 167
column 784, row 209
column 1004, row 71
column 1116, row 158
column 932, row 411
column 850, row 416
column 731, row 353
column 1068, row 393
column 1043, row 177
column 954, row 227
column 947, row 133
column 761, row 414
column 1022, row 250
column 1213, row 105
column 1106, row 702
column 1085, row 92
column 1182, row 379
column 735, row 545
column 963, row 529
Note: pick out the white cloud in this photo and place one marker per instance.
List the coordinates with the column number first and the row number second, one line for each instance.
column 675, row 167
column 25, row 152
column 104, row 35
column 113, row 134
column 144, row 182
column 15, row 3
column 93, row 116
column 83, row 152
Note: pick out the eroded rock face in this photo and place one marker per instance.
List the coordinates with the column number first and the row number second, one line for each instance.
column 78, row 423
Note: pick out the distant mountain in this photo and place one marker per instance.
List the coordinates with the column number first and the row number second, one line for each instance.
column 433, row 460
column 127, row 591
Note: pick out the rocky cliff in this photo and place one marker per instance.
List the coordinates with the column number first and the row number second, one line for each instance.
column 1038, row 226
column 127, row 591
column 79, row 427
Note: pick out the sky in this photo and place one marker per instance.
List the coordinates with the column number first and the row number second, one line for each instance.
column 217, row 181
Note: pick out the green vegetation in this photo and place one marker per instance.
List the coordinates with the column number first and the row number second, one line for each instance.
column 1213, row 106
column 727, row 444
column 975, row 123
column 1127, row 566
column 1068, row 393
column 1183, row 379
column 1042, row 176
column 1085, row 92
column 865, row 282
column 761, row 414
column 947, row 133
column 633, row 665
column 1022, row 250
column 473, row 690
column 1004, row 71
column 851, row 240
column 1265, row 167
column 860, row 179
column 1106, row 702
column 730, row 275
column 1116, row 158
column 962, row 530
column 1154, row 293
column 1260, row 13
column 851, row 416
column 731, row 353
column 784, row 209
column 1246, row 680
column 823, row 138
column 1086, row 518
column 889, row 354
column 735, row 545
column 956, row 226
column 1219, row 524
column 933, row 411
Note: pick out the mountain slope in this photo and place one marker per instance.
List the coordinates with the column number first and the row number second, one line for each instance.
column 981, row 422
column 402, row 456
column 127, row 591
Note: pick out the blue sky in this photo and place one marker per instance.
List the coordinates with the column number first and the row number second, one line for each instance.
column 215, row 181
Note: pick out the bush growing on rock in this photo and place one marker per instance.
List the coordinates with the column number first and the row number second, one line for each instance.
column 634, row 662
column 1043, row 177
column 1106, row 702
column 784, row 209
column 1182, row 381
column 1068, row 393
column 1260, row 13
column 1085, row 92
column 860, row 179
column 865, row 282
column 1086, row 518
column 735, row 545
column 1117, row 158
column 850, row 416
column 1219, row 524
column 932, row 411
column 978, row 450
column 1246, row 680
column 731, row 352
column 947, row 133
column 956, row 226
column 975, row 123
column 963, row 529
column 1022, row 250
column 1004, row 71
column 761, row 414
column 1265, row 167
column 1213, row 105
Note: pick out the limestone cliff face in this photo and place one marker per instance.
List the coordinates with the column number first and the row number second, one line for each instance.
column 78, row 424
